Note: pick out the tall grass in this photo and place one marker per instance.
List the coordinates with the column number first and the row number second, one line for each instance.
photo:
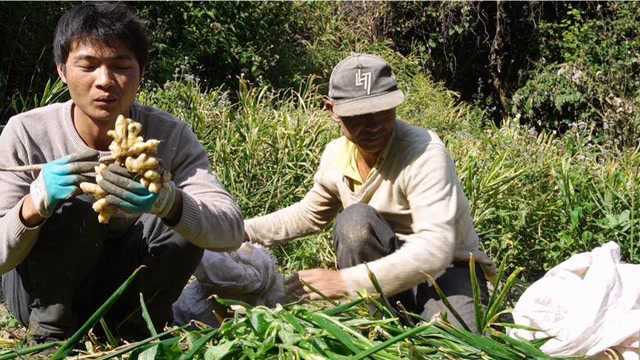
column 264, row 148
column 536, row 196
column 542, row 200
column 539, row 197
column 54, row 91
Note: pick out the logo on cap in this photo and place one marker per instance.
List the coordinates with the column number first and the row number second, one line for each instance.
column 364, row 79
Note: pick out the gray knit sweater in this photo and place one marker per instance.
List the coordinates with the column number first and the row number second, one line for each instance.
column 211, row 219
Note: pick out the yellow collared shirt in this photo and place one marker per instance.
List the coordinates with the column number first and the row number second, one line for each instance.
column 349, row 159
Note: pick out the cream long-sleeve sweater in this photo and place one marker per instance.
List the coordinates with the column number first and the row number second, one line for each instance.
column 416, row 190
column 211, row 219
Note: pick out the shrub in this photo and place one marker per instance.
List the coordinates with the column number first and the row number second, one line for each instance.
column 219, row 42
column 553, row 100
column 607, row 45
column 594, row 82
column 26, row 34
column 455, row 43
column 565, row 96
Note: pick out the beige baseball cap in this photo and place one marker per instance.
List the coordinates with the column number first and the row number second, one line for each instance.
column 363, row 84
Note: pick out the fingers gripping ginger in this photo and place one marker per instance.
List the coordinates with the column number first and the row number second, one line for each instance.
column 128, row 149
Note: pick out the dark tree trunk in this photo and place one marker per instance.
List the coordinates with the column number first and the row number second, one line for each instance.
column 498, row 57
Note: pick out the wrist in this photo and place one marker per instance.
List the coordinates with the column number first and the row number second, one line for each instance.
column 345, row 289
column 175, row 213
column 355, row 279
column 38, row 197
column 29, row 215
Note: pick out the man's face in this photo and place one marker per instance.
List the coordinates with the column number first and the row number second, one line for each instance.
column 102, row 80
column 371, row 132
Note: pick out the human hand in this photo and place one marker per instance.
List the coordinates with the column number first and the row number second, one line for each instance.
column 133, row 197
column 59, row 179
column 328, row 282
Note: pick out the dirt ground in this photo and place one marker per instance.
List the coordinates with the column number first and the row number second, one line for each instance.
column 11, row 331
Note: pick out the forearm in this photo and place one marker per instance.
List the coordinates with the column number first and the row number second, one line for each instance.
column 175, row 214
column 16, row 238
column 404, row 268
column 19, row 218
column 282, row 225
column 309, row 215
column 29, row 215
column 211, row 221
column 209, row 217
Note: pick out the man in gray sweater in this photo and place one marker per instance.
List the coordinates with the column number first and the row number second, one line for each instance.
column 58, row 263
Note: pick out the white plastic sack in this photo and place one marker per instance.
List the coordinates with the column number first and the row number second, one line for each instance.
column 589, row 303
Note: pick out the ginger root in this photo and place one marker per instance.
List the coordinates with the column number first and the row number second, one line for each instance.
column 130, row 150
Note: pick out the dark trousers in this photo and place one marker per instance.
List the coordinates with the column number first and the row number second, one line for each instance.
column 77, row 263
column 362, row 235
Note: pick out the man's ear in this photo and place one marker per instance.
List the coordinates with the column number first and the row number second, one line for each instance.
column 327, row 103
column 328, row 106
column 62, row 72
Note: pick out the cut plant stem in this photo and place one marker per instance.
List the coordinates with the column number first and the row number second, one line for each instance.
column 446, row 302
column 38, row 167
column 23, row 168
column 97, row 315
column 27, row 351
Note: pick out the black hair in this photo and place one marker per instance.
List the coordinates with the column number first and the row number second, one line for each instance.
column 103, row 22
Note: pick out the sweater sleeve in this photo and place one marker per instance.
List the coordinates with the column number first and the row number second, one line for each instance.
column 311, row 214
column 16, row 239
column 433, row 193
column 210, row 219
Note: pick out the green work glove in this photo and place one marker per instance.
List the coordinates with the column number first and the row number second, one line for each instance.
column 59, row 179
column 133, row 197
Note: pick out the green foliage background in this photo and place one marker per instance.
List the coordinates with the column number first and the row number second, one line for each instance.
column 537, row 199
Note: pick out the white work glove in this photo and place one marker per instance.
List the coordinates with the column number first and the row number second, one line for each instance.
column 59, row 180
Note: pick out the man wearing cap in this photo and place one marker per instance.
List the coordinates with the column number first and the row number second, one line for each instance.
column 404, row 213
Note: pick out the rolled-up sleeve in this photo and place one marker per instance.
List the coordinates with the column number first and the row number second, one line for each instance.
column 311, row 214
column 211, row 218
column 16, row 239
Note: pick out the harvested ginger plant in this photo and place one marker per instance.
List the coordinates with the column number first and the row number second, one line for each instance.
column 130, row 150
